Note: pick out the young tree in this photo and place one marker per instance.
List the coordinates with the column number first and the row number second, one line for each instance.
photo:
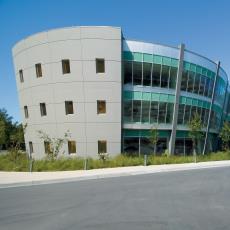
column 6, row 127
column 225, row 135
column 195, row 132
column 16, row 140
column 154, row 137
column 54, row 145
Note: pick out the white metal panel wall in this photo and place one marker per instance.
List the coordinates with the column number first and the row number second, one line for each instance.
column 82, row 45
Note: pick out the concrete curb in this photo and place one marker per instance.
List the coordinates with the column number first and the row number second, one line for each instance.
column 42, row 178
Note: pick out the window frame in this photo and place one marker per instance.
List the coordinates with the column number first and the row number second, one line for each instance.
column 67, row 104
column 98, row 106
column 47, row 147
column 102, row 145
column 66, row 66
column 98, row 70
column 26, row 111
column 72, row 147
column 21, row 76
column 38, row 68
column 31, row 148
column 43, row 110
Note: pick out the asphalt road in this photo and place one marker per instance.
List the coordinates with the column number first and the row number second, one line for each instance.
column 196, row 199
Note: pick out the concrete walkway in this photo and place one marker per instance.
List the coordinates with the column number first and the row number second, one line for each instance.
column 13, row 179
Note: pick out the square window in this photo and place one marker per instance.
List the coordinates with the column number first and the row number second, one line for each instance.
column 100, row 65
column 31, row 149
column 43, row 109
column 72, row 147
column 26, row 111
column 47, row 147
column 68, row 107
column 38, row 68
column 21, row 75
column 101, row 107
column 65, row 66
column 102, row 146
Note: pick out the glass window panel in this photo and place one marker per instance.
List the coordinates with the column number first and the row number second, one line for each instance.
column 165, row 76
column 131, row 145
column 161, row 145
column 21, row 75
column 47, row 147
column 179, row 147
column 145, row 111
column 169, row 115
column 102, row 146
column 162, row 112
column 154, row 112
column 68, row 107
column 190, row 82
column 188, row 147
column 202, row 85
column 147, row 74
column 180, row 119
column 173, row 76
column 101, row 107
column 184, row 80
column 156, row 75
column 193, row 112
column 127, row 110
column 206, row 87
column 137, row 73
column 127, row 72
column 146, row 146
column 38, row 68
column 100, row 65
column 26, row 112
column 197, row 83
column 187, row 114
column 211, row 84
column 72, row 147
column 43, row 109
column 136, row 111
column 31, row 149
column 65, row 66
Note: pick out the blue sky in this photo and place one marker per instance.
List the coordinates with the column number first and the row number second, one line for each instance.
column 204, row 26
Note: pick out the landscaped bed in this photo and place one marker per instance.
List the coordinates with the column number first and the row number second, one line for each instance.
column 20, row 161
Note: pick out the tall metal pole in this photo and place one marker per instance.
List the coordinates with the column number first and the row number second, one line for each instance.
column 210, row 108
column 177, row 100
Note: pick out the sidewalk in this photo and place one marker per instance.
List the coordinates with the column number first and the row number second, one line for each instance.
column 12, row 179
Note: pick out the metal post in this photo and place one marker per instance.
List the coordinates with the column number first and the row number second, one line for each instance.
column 177, row 100
column 145, row 160
column 210, row 108
column 85, row 163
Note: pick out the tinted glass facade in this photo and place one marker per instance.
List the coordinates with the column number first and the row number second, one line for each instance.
column 149, row 95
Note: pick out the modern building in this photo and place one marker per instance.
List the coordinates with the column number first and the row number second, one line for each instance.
column 109, row 92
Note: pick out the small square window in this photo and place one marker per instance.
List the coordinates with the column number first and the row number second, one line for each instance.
column 26, row 111
column 43, row 109
column 38, row 68
column 21, row 75
column 72, row 146
column 65, row 66
column 47, row 147
column 31, row 149
column 100, row 65
column 102, row 146
column 68, row 107
column 101, row 107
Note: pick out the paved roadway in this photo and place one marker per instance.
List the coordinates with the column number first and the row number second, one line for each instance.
column 196, row 199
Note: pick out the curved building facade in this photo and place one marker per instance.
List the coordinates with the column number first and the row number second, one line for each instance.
column 109, row 92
